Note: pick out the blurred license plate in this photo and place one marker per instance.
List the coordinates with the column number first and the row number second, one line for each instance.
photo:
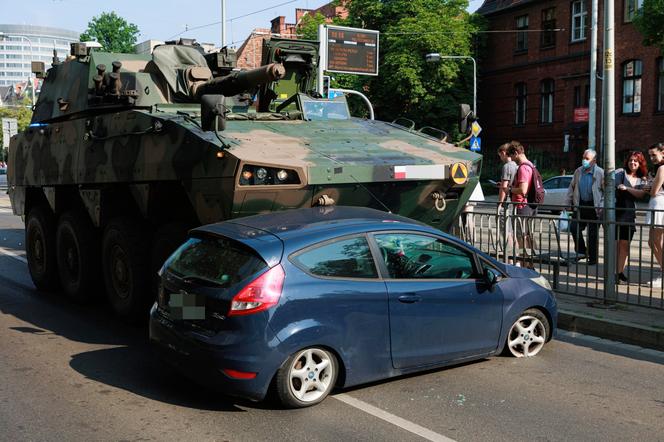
column 186, row 306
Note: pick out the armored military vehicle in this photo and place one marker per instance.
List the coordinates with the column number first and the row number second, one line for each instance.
column 126, row 152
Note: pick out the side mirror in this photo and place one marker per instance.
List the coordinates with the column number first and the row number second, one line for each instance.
column 465, row 115
column 213, row 116
column 490, row 277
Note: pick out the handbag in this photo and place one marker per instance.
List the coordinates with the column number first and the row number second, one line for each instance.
column 563, row 221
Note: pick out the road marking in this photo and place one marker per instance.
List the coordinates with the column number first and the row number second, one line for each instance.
column 392, row 419
column 13, row 254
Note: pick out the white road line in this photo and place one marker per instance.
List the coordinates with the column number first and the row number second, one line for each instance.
column 392, row 419
column 13, row 254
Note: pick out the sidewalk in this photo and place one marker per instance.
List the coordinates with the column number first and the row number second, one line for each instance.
column 630, row 324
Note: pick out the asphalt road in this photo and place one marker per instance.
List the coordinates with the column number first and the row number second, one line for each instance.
column 73, row 372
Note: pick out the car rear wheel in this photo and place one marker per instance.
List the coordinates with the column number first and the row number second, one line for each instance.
column 528, row 334
column 40, row 248
column 78, row 255
column 307, row 377
column 125, row 263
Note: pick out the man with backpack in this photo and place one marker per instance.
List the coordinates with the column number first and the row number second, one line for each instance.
column 586, row 196
column 527, row 193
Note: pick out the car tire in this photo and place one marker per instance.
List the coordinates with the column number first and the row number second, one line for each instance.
column 125, row 264
column 307, row 377
column 78, row 256
column 40, row 247
column 528, row 334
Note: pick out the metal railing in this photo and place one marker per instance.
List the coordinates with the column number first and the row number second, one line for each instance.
column 551, row 250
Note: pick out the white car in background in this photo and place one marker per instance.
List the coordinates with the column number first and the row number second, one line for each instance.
column 556, row 193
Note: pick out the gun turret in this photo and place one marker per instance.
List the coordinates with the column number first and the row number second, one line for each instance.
column 238, row 81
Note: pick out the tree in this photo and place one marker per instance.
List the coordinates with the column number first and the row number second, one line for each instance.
column 308, row 27
column 112, row 32
column 408, row 86
column 649, row 21
column 22, row 113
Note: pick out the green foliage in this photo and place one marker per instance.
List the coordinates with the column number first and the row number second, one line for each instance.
column 22, row 113
column 308, row 27
column 408, row 86
column 649, row 21
column 113, row 32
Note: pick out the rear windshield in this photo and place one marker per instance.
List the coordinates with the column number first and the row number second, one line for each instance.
column 217, row 261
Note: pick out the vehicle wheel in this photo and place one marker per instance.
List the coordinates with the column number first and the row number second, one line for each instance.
column 528, row 334
column 40, row 246
column 307, row 377
column 78, row 256
column 167, row 238
column 125, row 267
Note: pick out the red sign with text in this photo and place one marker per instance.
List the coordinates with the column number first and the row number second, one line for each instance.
column 580, row 114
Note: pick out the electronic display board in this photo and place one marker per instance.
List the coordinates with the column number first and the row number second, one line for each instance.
column 352, row 51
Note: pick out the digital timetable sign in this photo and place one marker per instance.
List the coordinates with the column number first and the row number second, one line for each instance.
column 352, row 51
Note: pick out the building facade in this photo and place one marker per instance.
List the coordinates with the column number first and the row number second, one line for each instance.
column 535, row 80
column 21, row 44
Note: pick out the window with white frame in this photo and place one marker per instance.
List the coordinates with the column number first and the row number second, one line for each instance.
column 632, row 87
column 660, row 85
column 579, row 20
column 522, row 34
column 546, row 103
column 631, row 8
column 520, row 106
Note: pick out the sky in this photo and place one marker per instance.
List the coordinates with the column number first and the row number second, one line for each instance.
column 168, row 19
column 164, row 19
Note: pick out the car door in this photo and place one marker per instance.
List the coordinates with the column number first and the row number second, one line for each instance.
column 439, row 308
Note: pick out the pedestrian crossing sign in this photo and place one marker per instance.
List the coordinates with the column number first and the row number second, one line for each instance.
column 475, row 144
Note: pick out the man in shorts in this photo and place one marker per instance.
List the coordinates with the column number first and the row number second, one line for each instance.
column 521, row 185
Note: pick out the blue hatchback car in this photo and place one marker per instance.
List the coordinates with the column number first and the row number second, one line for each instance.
column 310, row 299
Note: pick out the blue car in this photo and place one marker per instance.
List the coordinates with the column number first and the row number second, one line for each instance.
column 312, row 299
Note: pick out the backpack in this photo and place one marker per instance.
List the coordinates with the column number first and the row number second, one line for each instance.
column 535, row 194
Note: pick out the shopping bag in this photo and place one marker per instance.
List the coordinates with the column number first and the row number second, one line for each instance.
column 563, row 221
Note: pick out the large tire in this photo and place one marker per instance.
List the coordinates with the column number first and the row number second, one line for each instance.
column 78, row 256
column 125, row 264
column 167, row 238
column 40, row 246
column 307, row 377
column 528, row 334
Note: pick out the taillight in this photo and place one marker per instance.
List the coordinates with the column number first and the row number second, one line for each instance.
column 260, row 294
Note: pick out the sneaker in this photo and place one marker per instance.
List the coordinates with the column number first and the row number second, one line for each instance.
column 656, row 283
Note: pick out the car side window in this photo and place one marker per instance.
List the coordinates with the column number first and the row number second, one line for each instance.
column 565, row 182
column 413, row 256
column 553, row 183
column 345, row 258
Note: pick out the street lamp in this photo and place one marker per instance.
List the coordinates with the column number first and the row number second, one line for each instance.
column 4, row 36
column 435, row 57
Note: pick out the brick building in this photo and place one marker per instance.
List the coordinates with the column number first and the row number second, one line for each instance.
column 249, row 53
column 534, row 84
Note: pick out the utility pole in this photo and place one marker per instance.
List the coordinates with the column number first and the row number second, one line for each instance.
column 223, row 23
column 592, row 102
column 609, row 147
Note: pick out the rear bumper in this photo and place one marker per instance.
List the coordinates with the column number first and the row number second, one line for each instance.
column 197, row 357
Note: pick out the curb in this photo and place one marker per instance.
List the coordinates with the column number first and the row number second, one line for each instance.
column 629, row 333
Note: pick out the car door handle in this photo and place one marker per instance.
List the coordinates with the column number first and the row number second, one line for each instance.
column 409, row 299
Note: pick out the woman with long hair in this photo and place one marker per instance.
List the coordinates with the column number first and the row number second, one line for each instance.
column 655, row 216
column 630, row 181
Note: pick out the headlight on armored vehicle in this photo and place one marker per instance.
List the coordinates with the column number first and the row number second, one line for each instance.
column 266, row 176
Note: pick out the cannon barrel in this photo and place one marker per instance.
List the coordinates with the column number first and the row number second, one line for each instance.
column 239, row 81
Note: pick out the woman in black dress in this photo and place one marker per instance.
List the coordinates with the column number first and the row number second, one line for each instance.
column 630, row 182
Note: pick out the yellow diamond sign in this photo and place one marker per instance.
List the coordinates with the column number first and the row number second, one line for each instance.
column 459, row 173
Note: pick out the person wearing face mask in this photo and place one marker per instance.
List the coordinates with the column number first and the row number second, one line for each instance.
column 585, row 196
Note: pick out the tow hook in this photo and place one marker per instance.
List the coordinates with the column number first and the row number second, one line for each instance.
column 325, row 200
column 439, row 201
